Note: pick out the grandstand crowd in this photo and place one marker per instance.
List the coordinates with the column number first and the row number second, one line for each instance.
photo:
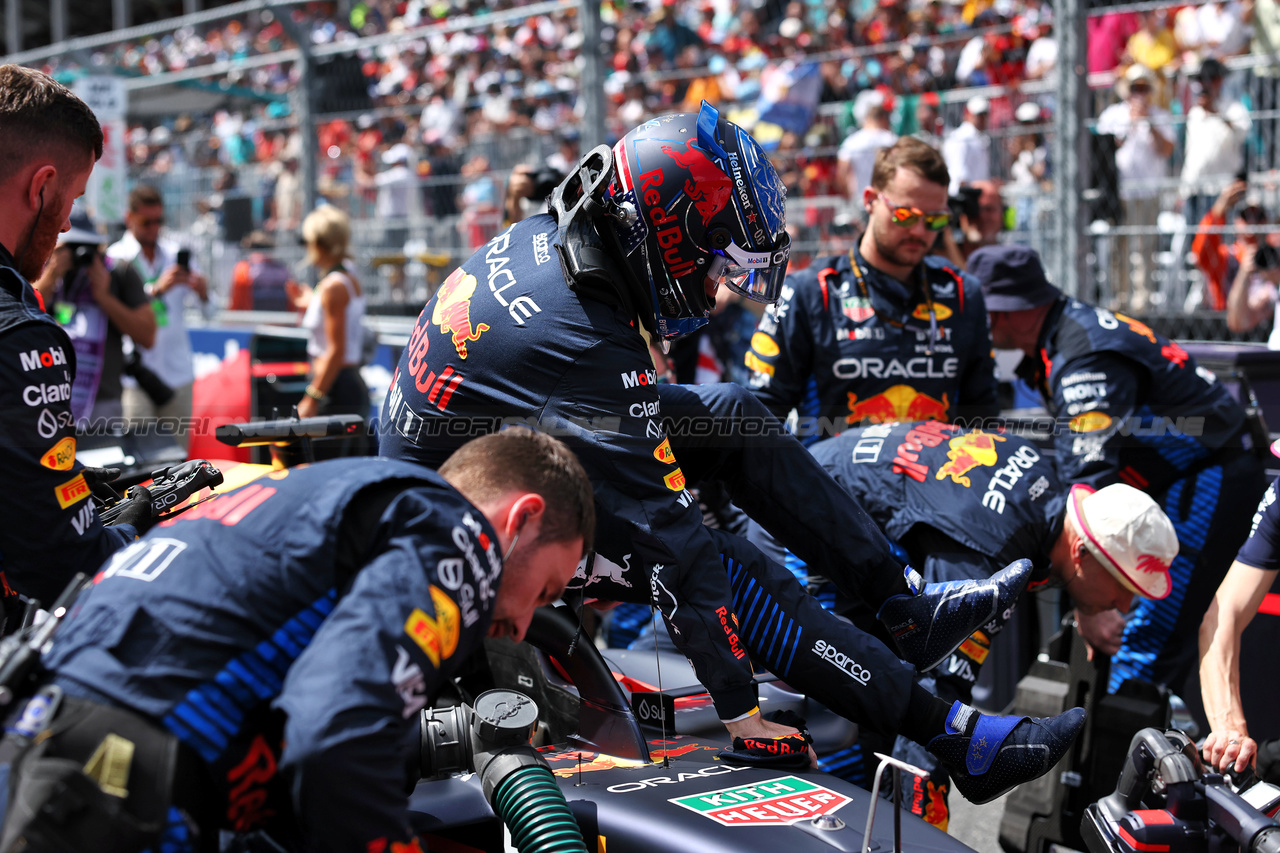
column 461, row 93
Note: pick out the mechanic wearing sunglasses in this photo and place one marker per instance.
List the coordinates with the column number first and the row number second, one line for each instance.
column 885, row 332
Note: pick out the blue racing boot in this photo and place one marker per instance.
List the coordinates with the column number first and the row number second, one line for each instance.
column 1002, row 752
column 932, row 623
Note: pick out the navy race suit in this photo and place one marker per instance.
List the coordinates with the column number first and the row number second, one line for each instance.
column 51, row 529
column 961, row 505
column 829, row 352
column 317, row 608
column 1134, row 407
column 1262, row 549
column 506, row 338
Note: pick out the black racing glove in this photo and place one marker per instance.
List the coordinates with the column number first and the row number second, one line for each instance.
column 136, row 510
column 788, row 753
column 97, row 480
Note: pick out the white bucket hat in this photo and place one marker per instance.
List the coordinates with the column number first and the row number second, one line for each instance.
column 1128, row 533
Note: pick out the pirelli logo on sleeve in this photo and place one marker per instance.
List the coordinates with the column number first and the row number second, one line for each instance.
column 71, row 492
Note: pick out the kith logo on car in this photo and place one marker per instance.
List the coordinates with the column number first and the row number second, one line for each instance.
column 777, row 802
column 36, row 359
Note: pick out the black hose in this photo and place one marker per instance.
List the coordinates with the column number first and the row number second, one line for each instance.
column 533, row 807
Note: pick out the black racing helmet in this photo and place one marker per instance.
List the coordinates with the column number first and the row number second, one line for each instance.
column 703, row 202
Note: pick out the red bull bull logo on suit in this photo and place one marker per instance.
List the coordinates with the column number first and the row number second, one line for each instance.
column 967, row 452
column 897, row 403
column 453, row 311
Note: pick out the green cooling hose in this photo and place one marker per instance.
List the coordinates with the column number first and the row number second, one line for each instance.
column 532, row 806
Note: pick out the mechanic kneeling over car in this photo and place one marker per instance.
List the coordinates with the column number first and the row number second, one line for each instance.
column 962, row 504
column 551, row 321
column 259, row 662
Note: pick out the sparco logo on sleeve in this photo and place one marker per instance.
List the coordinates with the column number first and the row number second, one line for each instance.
column 841, row 661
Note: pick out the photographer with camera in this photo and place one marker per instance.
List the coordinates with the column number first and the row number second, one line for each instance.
column 49, row 142
column 170, row 281
column 1250, row 264
column 527, row 191
column 97, row 302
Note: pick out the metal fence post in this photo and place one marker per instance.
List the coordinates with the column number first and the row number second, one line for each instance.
column 592, row 91
column 303, row 103
column 12, row 26
column 1070, row 145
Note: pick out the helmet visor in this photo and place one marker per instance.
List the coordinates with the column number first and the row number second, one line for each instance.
column 755, row 275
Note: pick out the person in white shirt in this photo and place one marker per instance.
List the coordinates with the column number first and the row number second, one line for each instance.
column 1042, row 56
column 967, row 149
column 170, row 287
column 1216, row 134
column 1144, row 139
column 1223, row 29
column 857, row 154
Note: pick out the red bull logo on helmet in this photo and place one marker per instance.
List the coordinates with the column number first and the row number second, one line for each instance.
column 898, row 403
column 452, row 312
column 707, row 186
column 967, row 452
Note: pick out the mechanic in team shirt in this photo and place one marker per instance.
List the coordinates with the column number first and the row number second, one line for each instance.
column 49, row 143
column 1248, row 581
column 886, row 332
column 961, row 505
column 551, row 321
column 258, row 663
column 1133, row 407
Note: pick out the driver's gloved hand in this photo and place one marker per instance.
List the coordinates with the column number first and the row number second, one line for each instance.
column 790, row 752
column 136, row 510
column 95, row 477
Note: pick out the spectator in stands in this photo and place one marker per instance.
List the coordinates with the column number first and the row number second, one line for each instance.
column 1219, row 30
column 440, row 169
column 170, row 286
column 287, row 196
column 481, row 205
column 1154, row 45
column 334, row 317
column 1265, row 17
column 259, row 282
column 397, row 202
column 565, row 158
column 1030, row 163
column 985, row 229
column 1108, row 36
column 1214, row 149
column 1144, row 136
column 857, row 154
column 669, row 36
column 967, row 149
column 929, row 123
column 97, row 305
column 1249, row 265
column 1042, row 52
